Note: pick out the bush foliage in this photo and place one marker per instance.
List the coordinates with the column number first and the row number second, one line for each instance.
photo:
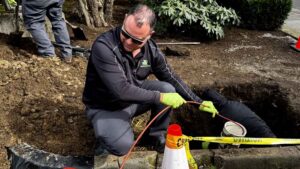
column 260, row 14
column 187, row 15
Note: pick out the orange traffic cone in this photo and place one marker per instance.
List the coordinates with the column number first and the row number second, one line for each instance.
column 174, row 154
column 297, row 45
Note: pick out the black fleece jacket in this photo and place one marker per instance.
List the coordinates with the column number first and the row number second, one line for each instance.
column 114, row 77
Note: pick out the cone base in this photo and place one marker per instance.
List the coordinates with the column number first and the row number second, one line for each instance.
column 294, row 47
column 175, row 159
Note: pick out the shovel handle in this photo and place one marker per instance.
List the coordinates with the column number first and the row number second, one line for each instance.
column 71, row 25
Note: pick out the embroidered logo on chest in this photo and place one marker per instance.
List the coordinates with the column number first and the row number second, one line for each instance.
column 145, row 63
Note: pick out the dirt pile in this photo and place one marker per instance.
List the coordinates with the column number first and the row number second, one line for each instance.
column 41, row 102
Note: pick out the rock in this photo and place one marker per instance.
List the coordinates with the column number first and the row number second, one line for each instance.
column 137, row 160
column 177, row 50
column 70, row 120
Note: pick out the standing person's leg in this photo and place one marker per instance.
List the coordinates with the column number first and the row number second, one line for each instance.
column 61, row 34
column 34, row 15
column 112, row 129
column 159, row 127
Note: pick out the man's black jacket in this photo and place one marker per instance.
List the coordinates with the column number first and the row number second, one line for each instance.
column 113, row 76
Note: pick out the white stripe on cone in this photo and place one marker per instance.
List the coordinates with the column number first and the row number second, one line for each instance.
column 175, row 159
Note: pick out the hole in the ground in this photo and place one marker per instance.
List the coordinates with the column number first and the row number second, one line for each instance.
column 269, row 101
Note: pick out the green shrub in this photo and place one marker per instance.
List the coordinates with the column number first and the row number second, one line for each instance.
column 260, row 14
column 187, row 15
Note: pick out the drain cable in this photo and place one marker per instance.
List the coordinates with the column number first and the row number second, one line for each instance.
column 148, row 125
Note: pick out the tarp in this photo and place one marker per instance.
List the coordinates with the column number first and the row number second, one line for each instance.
column 25, row 156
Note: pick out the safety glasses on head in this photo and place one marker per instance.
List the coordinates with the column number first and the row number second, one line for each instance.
column 134, row 39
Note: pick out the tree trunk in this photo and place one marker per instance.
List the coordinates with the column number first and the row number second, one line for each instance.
column 83, row 9
column 96, row 13
column 109, row 10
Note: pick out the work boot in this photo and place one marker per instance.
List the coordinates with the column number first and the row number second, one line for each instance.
column 100, row 149
column 67, row 59
column 47, row 56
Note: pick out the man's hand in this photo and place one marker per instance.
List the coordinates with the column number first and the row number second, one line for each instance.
column 208, row 106
column 171, row 99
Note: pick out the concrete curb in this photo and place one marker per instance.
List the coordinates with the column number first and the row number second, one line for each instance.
column 258, row 158
column 137, row 160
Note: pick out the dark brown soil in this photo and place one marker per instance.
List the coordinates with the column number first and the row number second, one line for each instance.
column 41, row 98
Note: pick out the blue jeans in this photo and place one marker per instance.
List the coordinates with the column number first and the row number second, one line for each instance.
column 113, row 128
column 34, row 13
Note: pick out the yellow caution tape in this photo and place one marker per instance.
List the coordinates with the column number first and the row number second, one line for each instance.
column 233, row 140
column 191, row 161
column 246, row 140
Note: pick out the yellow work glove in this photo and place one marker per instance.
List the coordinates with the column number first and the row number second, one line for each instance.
column 209, row 107
column 171, row 99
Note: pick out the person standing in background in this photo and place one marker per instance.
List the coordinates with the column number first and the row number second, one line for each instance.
column 34, row 13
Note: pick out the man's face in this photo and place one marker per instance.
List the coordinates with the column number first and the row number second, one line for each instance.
column 132, row 36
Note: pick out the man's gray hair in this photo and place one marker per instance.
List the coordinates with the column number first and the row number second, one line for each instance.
column 142, row 13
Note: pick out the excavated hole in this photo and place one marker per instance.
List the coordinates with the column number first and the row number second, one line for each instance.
column 269, row 102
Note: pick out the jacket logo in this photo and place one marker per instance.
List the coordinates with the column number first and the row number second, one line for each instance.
column 145, row 64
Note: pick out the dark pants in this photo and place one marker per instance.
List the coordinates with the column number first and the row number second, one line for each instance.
column 239, row 112
column 34, row 13
column 113, row 128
